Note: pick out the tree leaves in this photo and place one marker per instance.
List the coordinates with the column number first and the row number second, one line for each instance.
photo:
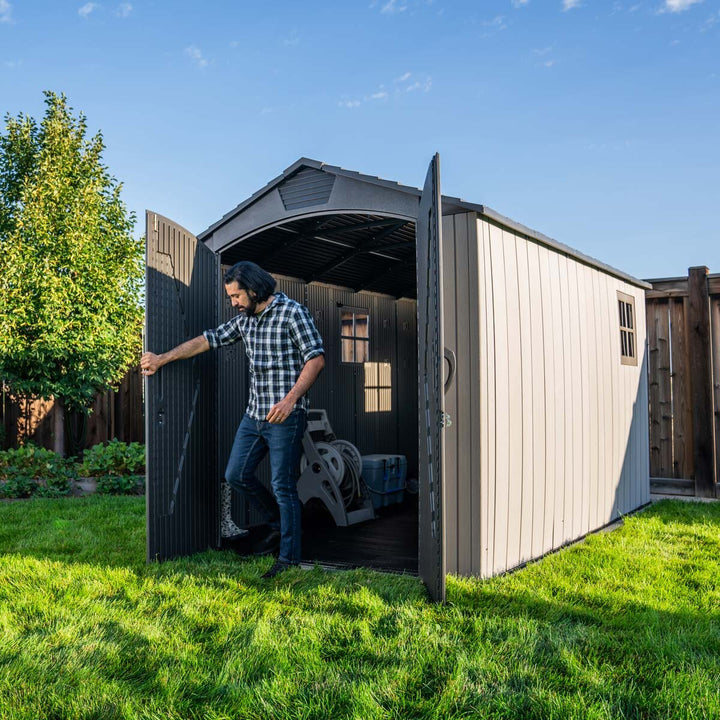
column 70, row 270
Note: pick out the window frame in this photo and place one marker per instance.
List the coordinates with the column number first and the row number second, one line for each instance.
column 354, row 337
column 380, row 391
column 628, row 330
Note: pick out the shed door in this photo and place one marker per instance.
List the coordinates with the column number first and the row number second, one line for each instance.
column 431, row 545
column 180, row 399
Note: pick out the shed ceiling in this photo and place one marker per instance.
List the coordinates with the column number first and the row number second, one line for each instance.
column 361, row 252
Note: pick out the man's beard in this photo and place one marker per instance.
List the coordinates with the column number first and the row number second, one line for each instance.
column 251, row 307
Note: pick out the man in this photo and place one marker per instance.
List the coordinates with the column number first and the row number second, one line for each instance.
column 286, row 355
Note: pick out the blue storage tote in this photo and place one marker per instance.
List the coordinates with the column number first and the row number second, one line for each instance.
column 385, row 476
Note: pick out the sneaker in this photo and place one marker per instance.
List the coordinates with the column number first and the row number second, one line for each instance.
column 269, row 544
column 278, row 567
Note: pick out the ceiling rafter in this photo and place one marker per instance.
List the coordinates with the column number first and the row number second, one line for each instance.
column 372, row 224
column 373, row 243
column 301, row 236
column 389, row 273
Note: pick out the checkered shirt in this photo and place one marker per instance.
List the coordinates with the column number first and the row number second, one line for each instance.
column 278, row 343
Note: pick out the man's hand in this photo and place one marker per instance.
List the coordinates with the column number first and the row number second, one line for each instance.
column 150, row 363
column 280, row 411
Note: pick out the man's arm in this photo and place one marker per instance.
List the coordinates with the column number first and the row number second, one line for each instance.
column 312, row 368
column 151, row 363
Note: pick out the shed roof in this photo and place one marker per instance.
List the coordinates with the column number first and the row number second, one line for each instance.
column 362, row 218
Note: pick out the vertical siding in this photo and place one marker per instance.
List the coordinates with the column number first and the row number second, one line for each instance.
column 538, row 461
column 407, row 382
column 340, row 389
column 450, row 309
column 527, row 491
column 182, row 489
column 500, row 429
column 487, row 402
column 562, row 440
column 462, row 401
column 475, row 363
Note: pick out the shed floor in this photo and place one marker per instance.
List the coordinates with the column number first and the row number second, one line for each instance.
column 390, row 542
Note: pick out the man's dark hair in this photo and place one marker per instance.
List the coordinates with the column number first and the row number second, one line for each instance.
column 251, row 278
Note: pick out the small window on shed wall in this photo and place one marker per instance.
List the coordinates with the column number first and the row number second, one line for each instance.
column 354, row 335
column 378, row 387
column 628, row 337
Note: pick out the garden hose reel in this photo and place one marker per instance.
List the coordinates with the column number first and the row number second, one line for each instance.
column 330, row 470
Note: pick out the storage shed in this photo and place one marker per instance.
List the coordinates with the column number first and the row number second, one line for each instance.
column 509, row 370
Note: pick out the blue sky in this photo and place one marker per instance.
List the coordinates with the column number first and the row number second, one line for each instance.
column 596, row 123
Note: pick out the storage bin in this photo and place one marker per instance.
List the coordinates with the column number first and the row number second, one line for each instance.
column 385, row 476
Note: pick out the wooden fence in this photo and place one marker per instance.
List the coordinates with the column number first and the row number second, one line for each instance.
column 683, row 324
column 117, row 414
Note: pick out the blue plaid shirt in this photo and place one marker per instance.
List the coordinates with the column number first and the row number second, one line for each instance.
column 278, row 343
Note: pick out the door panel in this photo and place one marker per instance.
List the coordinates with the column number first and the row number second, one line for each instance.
column 431, row 546
column 180, row 399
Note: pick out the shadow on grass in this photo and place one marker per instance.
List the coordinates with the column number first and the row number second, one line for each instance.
column 103, row 531
column 685, row 512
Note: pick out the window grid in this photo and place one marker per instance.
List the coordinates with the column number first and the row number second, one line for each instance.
column 628, row 344
column 378, row 387
column 354, row 335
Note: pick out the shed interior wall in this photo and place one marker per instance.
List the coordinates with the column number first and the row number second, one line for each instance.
column 340, row 389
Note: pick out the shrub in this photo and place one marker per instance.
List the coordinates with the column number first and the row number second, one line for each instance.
column 34, row 471
column 16, row 486
column 113, row 458
column 121, row 485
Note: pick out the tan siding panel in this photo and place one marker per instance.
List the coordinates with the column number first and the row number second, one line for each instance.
column 568, row 468
column 488, row 420
column 474, row 363
column 556, row 268
column 502, row 420
column 539, row 388
column 515, row 402
column 525, row 421
column 618, row 421
column 551, row 326
column 589, row 406
column 452, row 479
column 464, row 387
column 572, row 523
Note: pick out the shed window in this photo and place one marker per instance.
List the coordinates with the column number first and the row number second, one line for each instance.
column 628, row 341
column 354, row 335
column 378, row 387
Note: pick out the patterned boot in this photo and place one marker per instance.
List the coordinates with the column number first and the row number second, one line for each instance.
column 228, row 529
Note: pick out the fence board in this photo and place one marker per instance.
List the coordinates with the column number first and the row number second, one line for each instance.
column 693, row 307
column 114, row 414
column 715, row 323
column 660, row 389
column 702, row 387
column 683, row 466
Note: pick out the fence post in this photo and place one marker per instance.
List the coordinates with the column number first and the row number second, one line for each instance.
column 702, row 381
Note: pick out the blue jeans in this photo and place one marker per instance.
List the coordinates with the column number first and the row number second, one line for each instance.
column 253, row 440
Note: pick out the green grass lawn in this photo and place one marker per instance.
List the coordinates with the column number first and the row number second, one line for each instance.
column 623, row 625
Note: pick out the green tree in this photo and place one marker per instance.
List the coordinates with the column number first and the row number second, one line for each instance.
column 70, row 270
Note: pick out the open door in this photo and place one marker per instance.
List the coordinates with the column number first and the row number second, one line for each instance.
column 180, row 399
column 431, row 541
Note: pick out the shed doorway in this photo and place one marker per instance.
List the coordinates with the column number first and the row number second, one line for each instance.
column 374, row 246
column 356, row 274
